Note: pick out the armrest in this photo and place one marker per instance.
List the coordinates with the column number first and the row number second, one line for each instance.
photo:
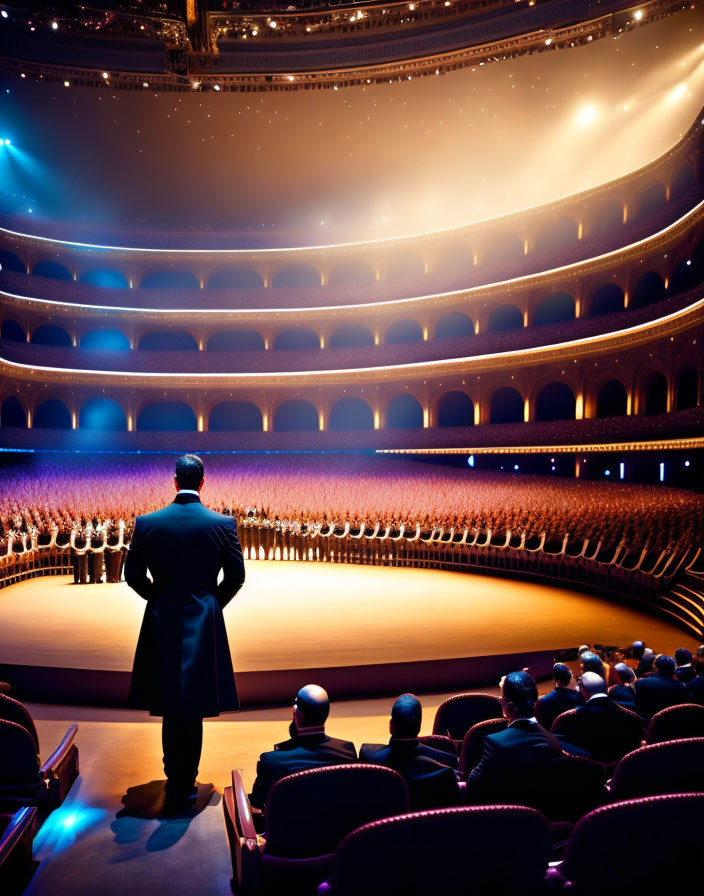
column 244, row 843
column 48, row 769
column 20, row 824
column 243, row 820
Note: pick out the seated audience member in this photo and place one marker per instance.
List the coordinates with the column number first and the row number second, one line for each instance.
column 563, row 697
column 660, row 689
column 605, row 730
column 308, row 747
column 624, row 693
column 645, row 665
column 431, row 782
column 523, row 745
column 591, row 662
column 685, row 671
column 635, row 654
column 694, row 690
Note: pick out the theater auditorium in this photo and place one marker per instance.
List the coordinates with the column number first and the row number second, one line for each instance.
column 351, row 447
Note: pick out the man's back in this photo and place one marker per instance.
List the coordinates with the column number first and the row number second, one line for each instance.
column 552, row 705
column 604, row 729
column 655, row 692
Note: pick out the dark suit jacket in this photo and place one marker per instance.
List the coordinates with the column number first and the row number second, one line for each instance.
column 431, row 782
column 509, row 755
column 685, row 674
column 604, row 729
column 624, row 695
column 555, row 703
column 182, row 666
column 297, row 755
column 694, row 691
column 655, row 692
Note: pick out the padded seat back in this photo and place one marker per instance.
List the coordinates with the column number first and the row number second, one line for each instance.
column 456, row 715
column 676, row 766
column 439, row 742
column 19, row 763
column 307, row 814
column 13, row 711
column 675, row 722
column 448, row 851
column 473, row 743
column 630, row 846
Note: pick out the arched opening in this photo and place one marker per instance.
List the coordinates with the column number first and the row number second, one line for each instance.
column 455, row 325
column 13, row 331
column 235, row 278
column 11, row 262
column 52, row 414
column 105, row 340
column 296, row 276
column 235, row 416
column 455, row 409
column 236, row 340
column 687, row 395
column 405, row 330
column 51, row 269
column 105, row 279
column 404, row 266
column 102, row 413
column 170, row 280
column 612, row 399
column 505, row 317
column 351, row 274
column 351, row 335
column 404, row 412
column 297, row 338
column 296, row 414
column 168, row 340
column 351, row 413
column 649, row 289
column 648, row 203
column 506, row 406
column 608, row 299
column 167, row 416
column 12, row 413
column 554, row 309
column 50, row 334
column 608, row 216
column 555, row 401
column 556, row 235
column 654, row 395
column 503, row 248
column 683, row 181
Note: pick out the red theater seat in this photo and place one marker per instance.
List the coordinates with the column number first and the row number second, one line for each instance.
column 456, row 715
column 306, row 816
column 448, row 851
column 473, row 743
column 676, row 766
column 675, row 722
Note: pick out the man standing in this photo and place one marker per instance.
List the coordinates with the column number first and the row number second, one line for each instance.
column 182, row 668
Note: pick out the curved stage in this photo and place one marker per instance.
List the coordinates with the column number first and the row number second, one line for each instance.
column 357, row 630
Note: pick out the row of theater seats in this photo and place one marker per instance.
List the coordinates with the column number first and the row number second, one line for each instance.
column 29, row 788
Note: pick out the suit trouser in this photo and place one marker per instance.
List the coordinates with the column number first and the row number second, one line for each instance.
column 182, row 740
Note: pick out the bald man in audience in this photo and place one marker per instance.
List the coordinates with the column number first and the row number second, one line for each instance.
column 308, row 747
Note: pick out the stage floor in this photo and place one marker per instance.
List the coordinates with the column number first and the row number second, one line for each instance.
column 313, row 615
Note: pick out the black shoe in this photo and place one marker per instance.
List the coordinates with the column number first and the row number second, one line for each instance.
column 180, row 802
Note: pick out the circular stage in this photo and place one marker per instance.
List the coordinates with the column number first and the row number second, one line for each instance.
column 355, row 629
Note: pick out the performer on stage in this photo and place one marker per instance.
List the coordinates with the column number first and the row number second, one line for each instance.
column 182, row 667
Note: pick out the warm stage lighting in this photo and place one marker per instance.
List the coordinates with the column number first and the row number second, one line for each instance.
column 55, row 26
column 638, row 15
column 106, row 75
column 67, row 83
column 586, row 115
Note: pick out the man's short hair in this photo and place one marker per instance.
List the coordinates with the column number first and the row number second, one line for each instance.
column 313, row 703
column 561, row 673
column 683, row 656
column 637, row 649
column 591, row 684
column 592, row 663
column 189, row 471
column 626, row 675
column 406, row 715
column 520, row 689
column 665, row 665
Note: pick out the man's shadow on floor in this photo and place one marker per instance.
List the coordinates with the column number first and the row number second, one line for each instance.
column 145, row 803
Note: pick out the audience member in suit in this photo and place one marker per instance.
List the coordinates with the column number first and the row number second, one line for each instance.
column 591, row 662
column 624, row 693
column 605, row 730
column 563, row 697
column 685, row 671
column 636, row 654
column 512, row 753
column 694, row 691
column 431, row 781
column 645, row 666
column 308, row 747
column 660, row 689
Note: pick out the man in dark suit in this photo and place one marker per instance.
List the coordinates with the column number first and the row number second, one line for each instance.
column 694, row 690
column 560, row 699
column 428, row 772
column 308, row 747
column 660, row 689
column 624, row 693
column 511, row 754
column 685, row 671
column 182, row 668
column 605, row 730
